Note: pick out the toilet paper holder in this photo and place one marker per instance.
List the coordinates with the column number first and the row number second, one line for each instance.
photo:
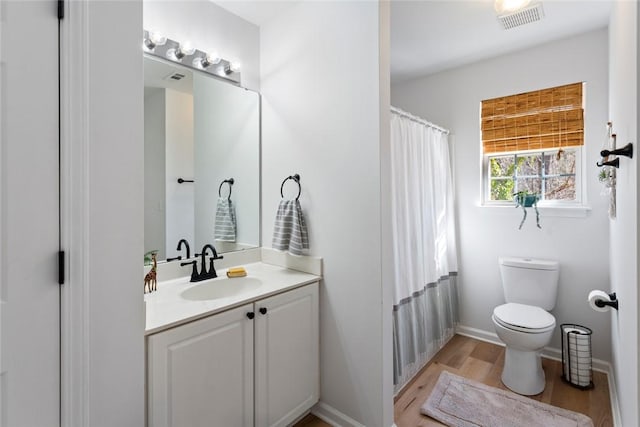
column 613, row 303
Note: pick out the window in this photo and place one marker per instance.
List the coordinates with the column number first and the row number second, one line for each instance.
column 532, row 142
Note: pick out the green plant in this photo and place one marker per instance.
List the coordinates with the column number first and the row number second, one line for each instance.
column 147, row 256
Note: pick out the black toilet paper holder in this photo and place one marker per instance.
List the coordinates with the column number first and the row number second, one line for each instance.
column 613, row 303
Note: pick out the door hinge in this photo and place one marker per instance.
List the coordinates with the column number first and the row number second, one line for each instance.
column 60, row 9
column 61, row 267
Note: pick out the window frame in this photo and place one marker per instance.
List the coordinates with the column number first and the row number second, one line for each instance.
column 579, row 201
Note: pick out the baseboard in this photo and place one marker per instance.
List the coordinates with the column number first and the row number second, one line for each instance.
column 556, row 354
column 615, row 403
column 548, row 352
column 332, row 416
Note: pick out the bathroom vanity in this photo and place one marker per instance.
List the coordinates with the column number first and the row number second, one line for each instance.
column 233, row 351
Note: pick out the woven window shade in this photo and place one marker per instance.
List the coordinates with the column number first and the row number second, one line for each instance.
column 542, row 119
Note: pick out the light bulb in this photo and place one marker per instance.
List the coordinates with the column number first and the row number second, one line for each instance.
column 157, row 38
column 183, row 49
column 154, row 39
column 187, row 48
column 207, row 60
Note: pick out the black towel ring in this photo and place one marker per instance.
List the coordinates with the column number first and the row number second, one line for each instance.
column 229, row 181
column 296, row 178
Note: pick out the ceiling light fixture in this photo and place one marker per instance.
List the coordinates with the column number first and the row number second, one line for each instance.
column 514, row 13
column 508, row 6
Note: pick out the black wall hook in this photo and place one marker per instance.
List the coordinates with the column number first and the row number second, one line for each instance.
column 615, row 163
column 294, row 177
column 182, row 181
column 626, row 151
column 613, row 303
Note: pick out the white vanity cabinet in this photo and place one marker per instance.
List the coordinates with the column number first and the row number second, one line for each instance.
column 202, row 371
column 254, row 365
column 287, row 376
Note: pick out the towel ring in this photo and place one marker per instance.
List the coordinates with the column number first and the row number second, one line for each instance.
column 296, row 178
column 229, row 181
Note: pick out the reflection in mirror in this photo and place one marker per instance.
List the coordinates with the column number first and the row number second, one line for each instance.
column 201, row 131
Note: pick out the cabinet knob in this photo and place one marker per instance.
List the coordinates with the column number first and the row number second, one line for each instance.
column 251, row 315
column 263, row 310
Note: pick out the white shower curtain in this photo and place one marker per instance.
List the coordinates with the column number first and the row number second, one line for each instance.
column 425, row 309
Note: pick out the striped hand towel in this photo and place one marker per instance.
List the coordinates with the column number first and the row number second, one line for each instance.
column 290, row 230
column 225, row 226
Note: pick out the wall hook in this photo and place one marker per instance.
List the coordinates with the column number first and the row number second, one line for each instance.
column 626, row 151
column 615, row 163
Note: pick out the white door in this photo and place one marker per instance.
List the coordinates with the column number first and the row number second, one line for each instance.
column 29, row 292
column 201, row 373
column 286, row 353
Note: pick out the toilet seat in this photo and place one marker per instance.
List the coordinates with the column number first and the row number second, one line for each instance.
column 524, row 318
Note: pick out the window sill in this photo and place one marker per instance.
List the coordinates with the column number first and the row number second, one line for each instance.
column 574, row 211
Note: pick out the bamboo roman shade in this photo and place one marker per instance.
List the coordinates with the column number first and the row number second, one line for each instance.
column 542, row 119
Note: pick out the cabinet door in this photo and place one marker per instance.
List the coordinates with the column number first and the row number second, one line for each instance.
column 201, row 374
column 286, row 355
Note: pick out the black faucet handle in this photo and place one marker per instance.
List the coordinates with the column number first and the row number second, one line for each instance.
column 212, row 270
column 178, row 258
column 194, row 270
column 217, row 257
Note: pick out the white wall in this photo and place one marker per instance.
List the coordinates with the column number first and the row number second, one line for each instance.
column 179, row 163
column 103, row 211
column 321, row 119
column 210, row 28
column 623, row 104
column 154, row 171
column 451, row 99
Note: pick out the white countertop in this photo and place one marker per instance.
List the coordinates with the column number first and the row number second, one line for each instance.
column 166, row 308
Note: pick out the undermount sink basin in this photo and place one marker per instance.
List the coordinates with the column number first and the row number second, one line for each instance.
column 221, row 288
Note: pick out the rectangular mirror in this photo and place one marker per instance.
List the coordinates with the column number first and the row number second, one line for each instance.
column 201, row 134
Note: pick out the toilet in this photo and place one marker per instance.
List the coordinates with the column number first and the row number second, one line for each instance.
column 524, row 323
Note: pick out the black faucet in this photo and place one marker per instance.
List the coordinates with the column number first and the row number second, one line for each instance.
column 178, row 258
column 204, row 274
column 186, row 244
column 211, row 274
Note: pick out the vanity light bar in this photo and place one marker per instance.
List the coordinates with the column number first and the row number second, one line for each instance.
column 182, row 53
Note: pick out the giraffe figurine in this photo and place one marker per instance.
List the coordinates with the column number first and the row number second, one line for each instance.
column 150, row 280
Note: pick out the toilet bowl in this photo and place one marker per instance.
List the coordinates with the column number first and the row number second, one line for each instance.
column 524, row 323
column 525, row 330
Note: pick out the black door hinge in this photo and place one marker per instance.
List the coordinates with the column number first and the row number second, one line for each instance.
column 61, row 267
column 60, row 9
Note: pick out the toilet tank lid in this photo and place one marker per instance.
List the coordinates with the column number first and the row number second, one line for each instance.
column 532, row 263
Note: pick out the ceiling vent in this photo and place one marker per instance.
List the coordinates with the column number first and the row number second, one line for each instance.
column 521, row 17
column 175, row 76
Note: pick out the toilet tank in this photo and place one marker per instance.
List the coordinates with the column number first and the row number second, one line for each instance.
column 530, row 281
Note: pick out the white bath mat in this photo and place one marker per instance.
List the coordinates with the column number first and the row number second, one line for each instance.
column 460, row 402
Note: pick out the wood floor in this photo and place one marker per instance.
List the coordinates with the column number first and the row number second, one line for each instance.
column 483, row 362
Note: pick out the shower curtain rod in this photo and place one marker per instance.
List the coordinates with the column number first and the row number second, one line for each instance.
column 419, row 120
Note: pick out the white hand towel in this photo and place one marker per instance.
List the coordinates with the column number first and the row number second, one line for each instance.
column 225, row 225
column 290, row 230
